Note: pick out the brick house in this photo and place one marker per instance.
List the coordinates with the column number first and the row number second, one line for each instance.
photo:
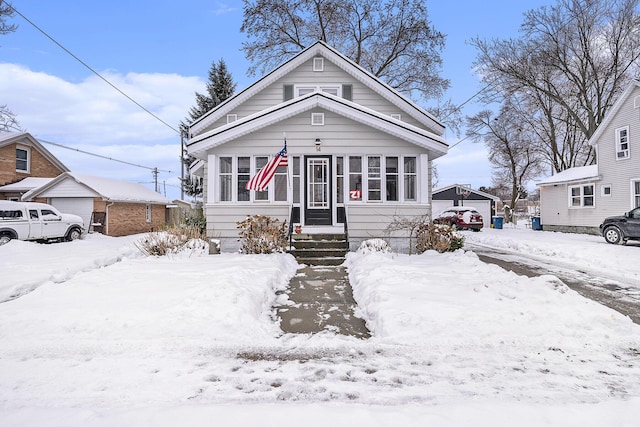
column 22, row 156
column 108, row 206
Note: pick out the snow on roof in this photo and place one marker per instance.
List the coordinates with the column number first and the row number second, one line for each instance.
column 117, row 190
column 107, row 188
column 26, row 184
column 580, row 173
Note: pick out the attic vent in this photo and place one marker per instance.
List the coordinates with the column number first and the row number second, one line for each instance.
column 636, row 102
column 317, row 119
column 318, row 64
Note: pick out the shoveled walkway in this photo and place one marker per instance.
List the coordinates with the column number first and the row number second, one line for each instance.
column 320, row 299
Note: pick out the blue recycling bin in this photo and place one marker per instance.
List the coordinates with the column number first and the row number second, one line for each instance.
column 535, row 223
column 497, row 222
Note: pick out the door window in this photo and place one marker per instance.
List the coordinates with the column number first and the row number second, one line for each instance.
column 318, row 184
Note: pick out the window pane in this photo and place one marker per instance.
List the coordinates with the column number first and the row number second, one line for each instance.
column 225, row 188
column 355, row 164
column 260, row 162
column 373, row 178
column 410, row 179
column 244, row 168
column 588, row 190
column 392, row 178
column 225, row 165
column 280, row 184
column 355, row 178
column 22, row 160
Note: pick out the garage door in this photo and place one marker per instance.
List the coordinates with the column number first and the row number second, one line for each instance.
column 438, row 206
column 81, row 206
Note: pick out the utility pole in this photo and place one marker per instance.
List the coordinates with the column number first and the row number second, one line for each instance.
column 181, row 165
column 155, row 178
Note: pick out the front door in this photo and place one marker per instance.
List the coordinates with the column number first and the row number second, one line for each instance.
column 318, row 191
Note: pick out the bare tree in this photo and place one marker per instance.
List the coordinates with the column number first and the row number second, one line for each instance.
column 392, row 39
column 8, row 121
column 572, row 61
column 6, row 11
column 513, row 156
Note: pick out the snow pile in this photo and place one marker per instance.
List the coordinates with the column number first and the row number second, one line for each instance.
column 27, row 265
column 183, row 340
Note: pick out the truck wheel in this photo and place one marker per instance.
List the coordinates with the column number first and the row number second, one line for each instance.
column 612, row 235
column 74, row 234
column 5, row 238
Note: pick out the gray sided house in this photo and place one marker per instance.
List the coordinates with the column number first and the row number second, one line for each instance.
column 359, row 153
column 578, row 199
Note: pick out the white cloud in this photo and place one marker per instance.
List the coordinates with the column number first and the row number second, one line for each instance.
column 91, row 116
column 91, row 111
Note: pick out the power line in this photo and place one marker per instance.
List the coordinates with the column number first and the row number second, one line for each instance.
column 92, row 70
column 103, row 157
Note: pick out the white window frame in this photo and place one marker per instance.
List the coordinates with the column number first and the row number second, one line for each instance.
column 364, row 176
column 581, row 196
column 318, row 64
column 635, row 197
column 317, row 119
column 622, row 153
column 603, row 190
column 148, row 212
column 28, row 160
column 309, row 88
column 232, row 118
column 269, row 194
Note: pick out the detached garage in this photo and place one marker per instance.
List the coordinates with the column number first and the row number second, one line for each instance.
column 462, row 195
column 109, row 206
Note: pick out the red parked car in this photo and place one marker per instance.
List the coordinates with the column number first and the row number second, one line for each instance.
column 461, row 217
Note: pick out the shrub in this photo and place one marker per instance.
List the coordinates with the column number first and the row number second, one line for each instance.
column 261, row 234
column 172, row 240
column 374, row 245
column 196, row 219
column 441, row 238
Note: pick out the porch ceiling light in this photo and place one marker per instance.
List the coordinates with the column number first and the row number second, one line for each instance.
column 318, row 144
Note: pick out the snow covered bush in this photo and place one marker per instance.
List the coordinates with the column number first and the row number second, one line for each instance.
column 172, row 240
column 441, row 238
column 260, row 234
column 374, row 245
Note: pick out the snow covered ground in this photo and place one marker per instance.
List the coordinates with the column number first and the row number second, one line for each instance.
column 93, row 333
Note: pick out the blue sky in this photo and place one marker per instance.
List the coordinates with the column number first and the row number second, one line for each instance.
column 159, row 53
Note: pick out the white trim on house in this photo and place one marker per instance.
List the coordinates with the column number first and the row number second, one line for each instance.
column 199, row 145
column 572, row 176
column 320, row 49
column 611, row 114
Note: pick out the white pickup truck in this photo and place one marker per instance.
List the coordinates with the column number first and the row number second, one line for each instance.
column 37, row 221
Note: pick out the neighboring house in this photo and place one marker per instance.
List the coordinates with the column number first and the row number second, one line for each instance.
column 578, row 199
column 22, row 156
column 458, row 195
column 359, row 153
column 113, row 207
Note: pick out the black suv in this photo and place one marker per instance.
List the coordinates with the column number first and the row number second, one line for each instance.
column 619, row 229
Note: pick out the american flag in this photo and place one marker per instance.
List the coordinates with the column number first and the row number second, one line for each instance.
column 264, row 176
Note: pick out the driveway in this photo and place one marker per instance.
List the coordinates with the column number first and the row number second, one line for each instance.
column 604, row 273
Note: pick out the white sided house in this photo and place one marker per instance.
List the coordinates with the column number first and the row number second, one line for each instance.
column 359, row 153
column 578, row 199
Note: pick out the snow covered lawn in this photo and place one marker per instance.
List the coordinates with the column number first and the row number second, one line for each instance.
column 108, row 337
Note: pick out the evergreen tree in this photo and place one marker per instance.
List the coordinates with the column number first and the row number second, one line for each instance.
column 219, row 88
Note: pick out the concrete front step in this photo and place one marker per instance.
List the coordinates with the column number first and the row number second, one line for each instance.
column 319, row 249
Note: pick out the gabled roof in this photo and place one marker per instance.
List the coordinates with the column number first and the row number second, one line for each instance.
column 572, row 175
column 418, row 136
column 25, row 138
column 109, row 189
column 478, row 192
column 321, row 49
column 622, row 99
